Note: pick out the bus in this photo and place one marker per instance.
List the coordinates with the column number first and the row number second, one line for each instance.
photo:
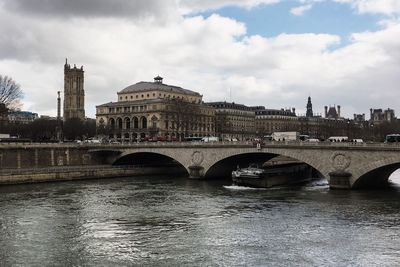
column 338, row 139
column 392, row 138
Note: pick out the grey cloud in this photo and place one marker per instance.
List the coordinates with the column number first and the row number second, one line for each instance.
column 90, row 8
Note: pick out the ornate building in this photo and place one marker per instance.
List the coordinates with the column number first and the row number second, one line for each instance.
column 156, row 111
column 74, row 94
column 234, row 121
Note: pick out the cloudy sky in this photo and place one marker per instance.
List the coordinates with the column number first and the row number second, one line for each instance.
column 257, row 52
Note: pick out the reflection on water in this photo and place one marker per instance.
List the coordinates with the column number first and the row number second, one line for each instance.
column 178, row 222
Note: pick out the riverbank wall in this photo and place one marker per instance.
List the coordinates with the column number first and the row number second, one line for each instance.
column 22, row 176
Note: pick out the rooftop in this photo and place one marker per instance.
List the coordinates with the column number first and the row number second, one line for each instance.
column 156, row 85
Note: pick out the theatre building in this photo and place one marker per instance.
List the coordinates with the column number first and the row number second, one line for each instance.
column 156, row 111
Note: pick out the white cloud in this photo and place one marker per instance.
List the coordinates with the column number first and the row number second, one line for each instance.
column 210, row 55
column 192, row 6
column 387, row 7
column 300, row 10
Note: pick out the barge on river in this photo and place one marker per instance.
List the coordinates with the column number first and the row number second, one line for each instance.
column 277, row 171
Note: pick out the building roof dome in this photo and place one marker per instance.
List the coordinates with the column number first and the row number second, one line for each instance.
column 156, row 85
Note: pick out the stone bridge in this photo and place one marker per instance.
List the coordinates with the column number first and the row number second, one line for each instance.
column 345, row 165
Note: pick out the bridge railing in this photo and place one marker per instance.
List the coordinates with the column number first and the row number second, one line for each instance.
column 202, row 144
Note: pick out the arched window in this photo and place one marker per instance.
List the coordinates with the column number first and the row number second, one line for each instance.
column 135, row 123
column 143, row 122
column 112, row 123
column 154, row 122
column 127, row 123
column 119, row 123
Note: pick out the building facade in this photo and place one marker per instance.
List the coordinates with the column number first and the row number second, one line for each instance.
column 156, row 111
column 268, row 121
column 233, row 121
column 378, row 116
column 74, row 94
column 22, row 117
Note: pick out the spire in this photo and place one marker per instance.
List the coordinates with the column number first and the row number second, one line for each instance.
column 309, row 112
column 66, row 66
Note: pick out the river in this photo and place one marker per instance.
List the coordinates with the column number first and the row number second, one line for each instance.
column 166, row 221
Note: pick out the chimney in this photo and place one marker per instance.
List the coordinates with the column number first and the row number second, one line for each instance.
column 294, row 111
column 370, row 110
column 326, row 111
column 338, row 111
column 355, row 116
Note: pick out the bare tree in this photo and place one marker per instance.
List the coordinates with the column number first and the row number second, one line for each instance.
column 10, row 91
column 223, row 126
column 184, row 115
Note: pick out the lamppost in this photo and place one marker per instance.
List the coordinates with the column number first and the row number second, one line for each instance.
column 373, row 132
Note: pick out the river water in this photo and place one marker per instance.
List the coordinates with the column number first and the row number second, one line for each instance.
column 164, row 221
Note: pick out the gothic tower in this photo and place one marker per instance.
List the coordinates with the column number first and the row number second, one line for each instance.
column 309, row 112
column 74, row 94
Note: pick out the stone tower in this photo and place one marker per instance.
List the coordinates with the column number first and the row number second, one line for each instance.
column 309, row 112
column 74, row 94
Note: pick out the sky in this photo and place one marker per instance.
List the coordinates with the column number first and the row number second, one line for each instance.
column 273, row 53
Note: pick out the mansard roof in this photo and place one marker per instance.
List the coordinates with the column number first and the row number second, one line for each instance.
column 332, row 113
column 131, row 103
column 228, row 105
column 150, row 86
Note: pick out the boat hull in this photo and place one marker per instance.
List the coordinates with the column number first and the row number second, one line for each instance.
column 291, row 174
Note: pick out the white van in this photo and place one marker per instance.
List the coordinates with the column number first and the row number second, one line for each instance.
column 210, row 139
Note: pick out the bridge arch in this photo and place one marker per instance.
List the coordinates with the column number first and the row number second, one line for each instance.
column 229, row 161
column 161, row 162
column 374, row 174
column 224, row 167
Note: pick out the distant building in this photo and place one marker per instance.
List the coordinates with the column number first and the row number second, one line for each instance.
column 378, row 116
column 74, row 94
column 154, row 110
column 233, row 121
column 359, row 119
column 275, row 120
column 22, row 117
column 46, row 117
column 332, row 112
